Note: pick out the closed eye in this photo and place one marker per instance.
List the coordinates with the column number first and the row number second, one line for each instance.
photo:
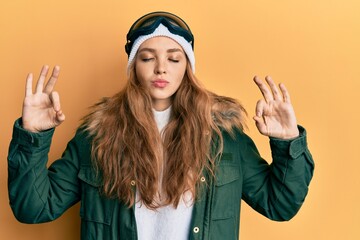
column 146, row 59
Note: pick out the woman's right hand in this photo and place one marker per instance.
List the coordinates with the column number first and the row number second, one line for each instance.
column 41, row 110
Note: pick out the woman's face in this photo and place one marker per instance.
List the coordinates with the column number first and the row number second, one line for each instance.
column 160, row 65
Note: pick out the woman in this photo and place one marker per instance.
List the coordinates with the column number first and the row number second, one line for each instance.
column 162, row 159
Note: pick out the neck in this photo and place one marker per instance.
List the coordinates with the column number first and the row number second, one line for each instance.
column 161, row 105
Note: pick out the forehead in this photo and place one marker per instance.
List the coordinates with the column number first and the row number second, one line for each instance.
column 161, row 42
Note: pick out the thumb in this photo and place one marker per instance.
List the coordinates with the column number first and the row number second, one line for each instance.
column 261, row 125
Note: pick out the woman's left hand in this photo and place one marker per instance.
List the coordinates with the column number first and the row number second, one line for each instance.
column 275, row 116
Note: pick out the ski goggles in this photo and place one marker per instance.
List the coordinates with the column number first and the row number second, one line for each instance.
column 149, row 22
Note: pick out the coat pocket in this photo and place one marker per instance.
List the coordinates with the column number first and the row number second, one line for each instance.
column 94, row 207
column 226, row 192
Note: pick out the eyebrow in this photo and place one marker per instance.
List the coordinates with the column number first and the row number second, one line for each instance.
column 152, row 50
column 174, row 50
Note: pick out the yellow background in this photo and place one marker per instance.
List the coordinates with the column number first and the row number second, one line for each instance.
column 311, row 46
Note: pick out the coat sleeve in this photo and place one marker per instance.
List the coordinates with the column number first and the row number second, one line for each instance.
column 37, row 193
column 277, row 190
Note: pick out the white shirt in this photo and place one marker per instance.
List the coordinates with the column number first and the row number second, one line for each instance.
column 164, row 223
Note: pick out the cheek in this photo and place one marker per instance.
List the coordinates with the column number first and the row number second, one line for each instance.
column 141, row 72
column 180, row 73
column 179, row 80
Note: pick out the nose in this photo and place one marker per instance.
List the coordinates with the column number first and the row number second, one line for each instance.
column 160, row 67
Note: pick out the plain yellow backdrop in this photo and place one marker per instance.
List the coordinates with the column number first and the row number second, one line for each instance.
column 311, row 46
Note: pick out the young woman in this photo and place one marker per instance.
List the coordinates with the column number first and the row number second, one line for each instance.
column 162, row 159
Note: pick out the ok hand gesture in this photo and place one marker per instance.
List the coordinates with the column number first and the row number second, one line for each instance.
column 275, row 116
column 41, row 110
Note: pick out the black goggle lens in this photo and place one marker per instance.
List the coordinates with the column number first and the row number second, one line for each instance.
column 147, row 25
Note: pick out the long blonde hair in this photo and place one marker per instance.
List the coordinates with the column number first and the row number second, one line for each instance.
column 127, row 147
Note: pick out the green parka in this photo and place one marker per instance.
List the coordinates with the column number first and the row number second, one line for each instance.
column 39, row 194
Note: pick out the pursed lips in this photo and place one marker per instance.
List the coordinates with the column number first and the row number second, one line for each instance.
column 159, row 83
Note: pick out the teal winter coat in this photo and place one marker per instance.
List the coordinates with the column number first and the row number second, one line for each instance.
column 39, row 194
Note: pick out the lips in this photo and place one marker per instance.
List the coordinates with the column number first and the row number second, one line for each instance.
column 159, row 83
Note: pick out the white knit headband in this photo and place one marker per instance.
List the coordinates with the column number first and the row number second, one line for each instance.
column 161, row 30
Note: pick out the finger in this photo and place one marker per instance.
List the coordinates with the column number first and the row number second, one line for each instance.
column 264, row 89
column 260, row 120
column 40, row 83
column 28, row 86
column 260, row 124
column 60, row 117
column 259, row 109
column 55, row 99
column 274, row 88
column 52, row 81
column 285, row 93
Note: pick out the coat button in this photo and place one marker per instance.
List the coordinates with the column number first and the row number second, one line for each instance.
column 202, row 179
column 132, row 182
column 196, row 229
